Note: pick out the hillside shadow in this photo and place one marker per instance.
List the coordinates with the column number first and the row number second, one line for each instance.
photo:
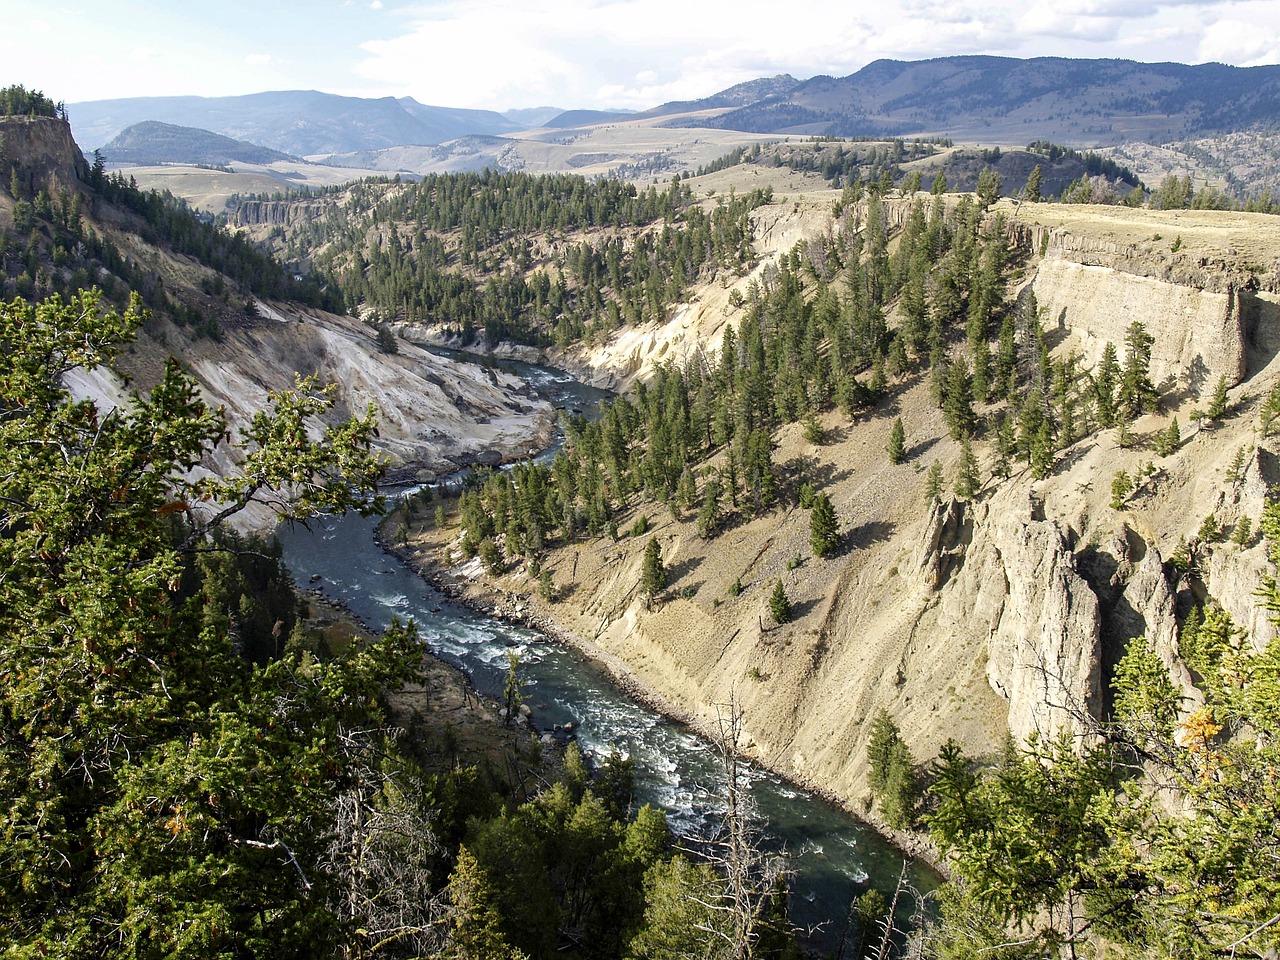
column 870, row 533
column 803, row 608
column 921, row 448
column 678, row 571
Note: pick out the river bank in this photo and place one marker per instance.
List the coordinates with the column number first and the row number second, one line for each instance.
column 466, row 584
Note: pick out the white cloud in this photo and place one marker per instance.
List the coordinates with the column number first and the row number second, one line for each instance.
column 1248, row 44
column 257, row 59
column 375, row 5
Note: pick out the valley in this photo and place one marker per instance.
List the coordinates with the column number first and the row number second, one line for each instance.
column 955, row 497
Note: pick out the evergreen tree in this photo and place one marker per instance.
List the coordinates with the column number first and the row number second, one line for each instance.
column 989, row 183
column 933, row 483
column 1042, row 452
column 709, row 512
column 1031, row 192
column 779, row 605
column 957, row 404
column 1006, row 446
column 159, row 793
column 967, row 480
column 1235, row 469
column 1169, row 439
column 824, row 527
column 1218, row 404
column 1105, row 383
column 653, row 574
column 1137, row 393
column 897, row 442
column 1121, row 487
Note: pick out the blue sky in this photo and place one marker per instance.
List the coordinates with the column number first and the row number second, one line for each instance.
column 576, row 53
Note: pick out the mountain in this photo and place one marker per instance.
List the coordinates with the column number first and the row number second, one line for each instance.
column 449, row 123
column 528, row 118
column 739, row 95
column 586, row 118
column 999, row 99
column 153, row 142
column 298, row 122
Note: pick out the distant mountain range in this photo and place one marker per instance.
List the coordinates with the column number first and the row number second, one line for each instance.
column 999, row 99
column 153, row 142
column 298, row 122
column 995, row 100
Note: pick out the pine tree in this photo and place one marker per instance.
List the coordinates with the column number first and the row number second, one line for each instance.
column 967, row 480
column 1006, row 446
column 1042, row 452
column 709, row 512
column 897, row 442
column 1169, row 439
column 1235, row 469
column 1104, row 386
column 1219, row 403
column 824, row 527
column 1031, row 192
column 933, row 484
column 957, row 403
column 779, row 605
column 1137, row 393
column 1121, row 487
column 653, row 574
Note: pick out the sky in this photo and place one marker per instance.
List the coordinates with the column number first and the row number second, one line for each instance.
column 602, row 54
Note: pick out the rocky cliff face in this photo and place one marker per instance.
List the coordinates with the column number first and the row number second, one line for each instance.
column 275, row 213
column 42, row 152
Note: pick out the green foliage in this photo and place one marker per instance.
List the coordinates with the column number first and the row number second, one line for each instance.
column 1268, row 412
column 891, row 772
column 387, row 340
column 933, row 483
column 967, row 480
column 1062, row 826
column 957, row 402
column 709, row 512
column 154, row 781
column 18, row 101
column 813, row 432
column 989, row 183
column 1235, row 469
column 491, row 556
column 1242, row 535
column 1121, row 489
column 779, row 605
column 1144, row 694
column 897, row 442
column 1137, row 394
column 1218, row 403
column 824, row 527
column 512, row 694
column 1169, row 439
column 1041, row 454
column 1210, row 530
column 653, row 574
column 1031, row 192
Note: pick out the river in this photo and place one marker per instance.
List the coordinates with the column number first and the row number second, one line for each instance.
column 834, row 856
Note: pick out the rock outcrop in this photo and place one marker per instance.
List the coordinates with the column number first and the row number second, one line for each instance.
column 42, row 153
column 1010, row 576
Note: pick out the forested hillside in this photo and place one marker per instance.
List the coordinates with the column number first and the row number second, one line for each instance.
column 189, row 765
column 844, row 330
